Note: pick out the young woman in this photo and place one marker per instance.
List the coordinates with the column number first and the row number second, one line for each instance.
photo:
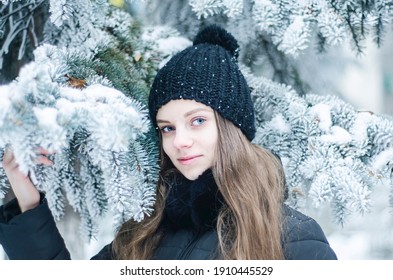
column 219, row 196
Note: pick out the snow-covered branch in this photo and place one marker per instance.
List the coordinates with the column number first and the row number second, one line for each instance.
column 332, row 153
column 292, row 24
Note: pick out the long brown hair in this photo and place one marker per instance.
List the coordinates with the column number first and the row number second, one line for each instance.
column 250, row 179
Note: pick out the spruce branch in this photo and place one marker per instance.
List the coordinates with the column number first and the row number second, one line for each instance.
column 38, row 111
column 280, row 19
column 85, row 98
column 331, row 152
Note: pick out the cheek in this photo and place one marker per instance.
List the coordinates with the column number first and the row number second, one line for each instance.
column 166, row 147
column 213, row 149
column 214, row 140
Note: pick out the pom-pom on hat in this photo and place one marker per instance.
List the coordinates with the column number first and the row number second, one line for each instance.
column 207, row 72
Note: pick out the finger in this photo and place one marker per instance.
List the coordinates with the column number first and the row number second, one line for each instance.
column 43, row 151
column 8, row 157
column 43, row 160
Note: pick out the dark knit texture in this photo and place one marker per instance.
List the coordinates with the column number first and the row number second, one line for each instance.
column 193, row 204
column 207, row 72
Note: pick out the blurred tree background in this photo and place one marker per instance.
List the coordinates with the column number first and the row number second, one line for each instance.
column 321, row 74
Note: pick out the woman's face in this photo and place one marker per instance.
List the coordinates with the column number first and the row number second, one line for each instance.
column 189, row 135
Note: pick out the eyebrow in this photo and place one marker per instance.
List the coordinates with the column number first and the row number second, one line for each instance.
column 189, row 113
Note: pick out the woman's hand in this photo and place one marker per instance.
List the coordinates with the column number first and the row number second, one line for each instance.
column 26, row 193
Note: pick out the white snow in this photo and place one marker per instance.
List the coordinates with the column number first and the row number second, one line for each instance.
column 47, row 118
column 383, row 158
column 173, row 44
column 279, row 124
column 321, row 113
column 5, row 96
column 337, row 135
column 362, row 121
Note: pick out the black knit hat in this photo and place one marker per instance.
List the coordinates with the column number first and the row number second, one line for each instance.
column 207, row 72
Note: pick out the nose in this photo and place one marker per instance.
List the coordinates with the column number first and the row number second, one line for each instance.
column 182, row 139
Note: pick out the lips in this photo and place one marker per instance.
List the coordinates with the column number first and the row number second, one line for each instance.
column 188, row 159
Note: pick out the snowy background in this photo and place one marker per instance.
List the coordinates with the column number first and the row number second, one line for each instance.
column 366, row 82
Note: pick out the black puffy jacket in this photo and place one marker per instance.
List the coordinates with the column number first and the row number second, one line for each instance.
column 34, row 235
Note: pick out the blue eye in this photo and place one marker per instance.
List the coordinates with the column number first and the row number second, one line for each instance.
column 166, row 129
column 198, row 121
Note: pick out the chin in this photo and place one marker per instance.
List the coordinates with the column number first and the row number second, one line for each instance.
column 192, row 175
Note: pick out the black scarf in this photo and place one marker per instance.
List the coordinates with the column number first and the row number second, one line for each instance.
column 193, row 204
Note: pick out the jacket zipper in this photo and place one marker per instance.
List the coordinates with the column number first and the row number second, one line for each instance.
column 190, row 247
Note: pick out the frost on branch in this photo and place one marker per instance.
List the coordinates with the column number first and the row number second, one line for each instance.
column 83, row 97
column 331, row 152
column 95, row 134
column 295, row 25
